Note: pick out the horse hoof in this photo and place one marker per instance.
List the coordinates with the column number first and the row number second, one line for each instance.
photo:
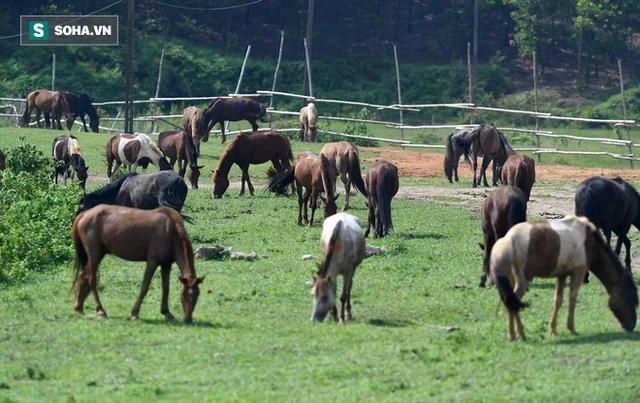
column 102, row 314
column 134, row 317
column 169, row 316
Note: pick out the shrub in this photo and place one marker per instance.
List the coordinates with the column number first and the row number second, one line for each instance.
column 35, row 215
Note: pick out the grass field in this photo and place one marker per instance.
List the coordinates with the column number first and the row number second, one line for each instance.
column 252, row 340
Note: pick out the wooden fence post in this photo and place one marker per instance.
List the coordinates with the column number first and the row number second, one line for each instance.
column 53, row 73
column 535, row 97
column 624, row 110
column 275, row 74
column 395, row 56
column 155, row 103
column 306, row 55
column 470, row 81
column 244, row 63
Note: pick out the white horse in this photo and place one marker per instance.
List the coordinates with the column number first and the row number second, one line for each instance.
column 343, row 248
column 133, row 150
column 309, row 123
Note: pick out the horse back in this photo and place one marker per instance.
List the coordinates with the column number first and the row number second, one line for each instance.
column 603, row 201
column 502, row 210
column 350, row 248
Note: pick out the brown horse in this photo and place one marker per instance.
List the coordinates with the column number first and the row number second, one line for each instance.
column 343, row 248
column 155, row 236
column 178, row 146
column 520, row 171
column 194, row 126
column 53, row 102
column 309, row 123
column 67, row 149
column 560, row 248
column 233, row 110
column 382, row 185
column 344, row 156
column 486, row 141
column 133, row 150
column 3, row 158
column 316, row 174
column 503, row 209
column 251, row 148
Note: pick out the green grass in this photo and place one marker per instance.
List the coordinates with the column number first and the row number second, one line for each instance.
column 252, row 340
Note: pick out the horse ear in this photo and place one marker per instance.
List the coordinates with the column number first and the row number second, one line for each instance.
column 200, row 166
column 481, row 245
column 183, row 280
column 199, row 280
column 336, row 198
column 329, row 279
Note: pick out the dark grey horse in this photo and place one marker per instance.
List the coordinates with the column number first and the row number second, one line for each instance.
column 453, row 153
column 143, row 191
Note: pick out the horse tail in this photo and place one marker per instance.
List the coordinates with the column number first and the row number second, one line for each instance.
column 509, row 298
column 448, row 157
column 156, row 149
column 173, row 194
column 322, row 270
column 521, row 178
column 469, row 138
column 82, row 257
column 195, row 126
column 278, row 182
column 517, row 212
column 501, row 264
column 354, row 172
column 24, row 122
column 584, row 202
column 384, row 205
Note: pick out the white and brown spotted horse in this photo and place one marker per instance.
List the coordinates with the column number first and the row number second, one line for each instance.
column 67, row 149
column 560, row 248
column 133, row 150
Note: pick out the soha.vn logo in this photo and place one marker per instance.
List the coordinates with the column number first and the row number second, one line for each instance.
column 38, row 30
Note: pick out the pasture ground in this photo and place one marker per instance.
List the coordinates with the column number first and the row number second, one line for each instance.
column 422, row 328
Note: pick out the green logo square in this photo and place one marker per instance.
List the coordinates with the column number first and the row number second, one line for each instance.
column 38, row 30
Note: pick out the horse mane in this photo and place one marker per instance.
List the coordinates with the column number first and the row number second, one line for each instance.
column 74, row 146
column 111, row 188
column 213, row 102
column 231, row 147
column 328, row 174
column 65, row 103
column 322, row 268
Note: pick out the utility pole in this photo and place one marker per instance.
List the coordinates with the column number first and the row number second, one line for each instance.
column 475, row 51
column 309, row 36
column 128, row 102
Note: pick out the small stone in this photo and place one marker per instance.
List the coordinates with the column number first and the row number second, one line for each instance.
column 374, row 250
column 306, row 257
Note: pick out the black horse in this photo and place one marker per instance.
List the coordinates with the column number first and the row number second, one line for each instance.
column 453, row 153
column 612, row 205
column 66, row 149
column 143, row 191
column 79, row 105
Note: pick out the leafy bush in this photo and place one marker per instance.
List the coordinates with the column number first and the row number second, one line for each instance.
column 35, row 215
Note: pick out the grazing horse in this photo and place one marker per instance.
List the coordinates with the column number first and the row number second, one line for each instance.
column 316, row 174
column 343, row 248
column 309, row 123
column 178, row 146
column 613, row 205
column 520, row 171
column 194, row 126
column 251, row 148
column 560, row 248
column 157, row 237
column 143, row 191
column 133, row 150
column 453, row 153
column 3, row 158
column 382, row 184
column 79, row 105
column 344, row 156
column 233, row 110
column 503, row 209
column 488, row 142
column 67, row 149
column 54, row 102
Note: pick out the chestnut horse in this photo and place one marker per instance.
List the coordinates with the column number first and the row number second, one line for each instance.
column 133, row 150
column 488, row 142
column 155, row 236
column 67, row 149
column 194, row 126
column 344, row 156
column 382, row 185
column 316, row 174
column 520, row 171
column 178, row 146
column 53, row 102
column 233, row 110
column 560, row 248
column 503, row 209
column 251, row 148
column 309, row 123
column 343, row 248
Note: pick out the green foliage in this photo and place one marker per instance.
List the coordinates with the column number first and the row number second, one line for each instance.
column 355, row 128
column 35, row 215
column 426, row 138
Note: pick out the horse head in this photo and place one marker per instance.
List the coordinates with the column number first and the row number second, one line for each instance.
column 189, row 295
column 330, row 206
column 220, row 184
column 95, row 124
column 194, row 175
column 324, row 297
column 623, row 302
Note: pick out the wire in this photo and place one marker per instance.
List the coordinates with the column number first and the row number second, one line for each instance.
column 95, row 12
column 208, row 9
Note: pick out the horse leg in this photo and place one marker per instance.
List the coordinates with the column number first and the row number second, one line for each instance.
column 307, row 196
column 182, row 166
column 455, row 170
column 38, row 118
column 483, row 171
column 224, row 137
column 347, row 188
column 83, row 121
column 248, row 179
column 314, row 206
column 301, row 202
column 489, row 240
column 148, row 275
column 475, row 169
column 560, row 283
column 164, row 305
column 627, row 247
column 521, row 286
column 254, row 125
column 347, row 286
column 370, row 218
column 343, row 299
column 574, row 287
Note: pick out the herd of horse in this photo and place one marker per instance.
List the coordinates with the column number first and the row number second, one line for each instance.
column 110, row 219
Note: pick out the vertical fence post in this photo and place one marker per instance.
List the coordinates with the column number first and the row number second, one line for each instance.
column 535, row 97
column 275, row 74
column 155, row 103
column 244, row 63
column 53, row 73
column 306, row 55
column 128, row 106
column 395, row 56
column 470, row 81
column 624, row 109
